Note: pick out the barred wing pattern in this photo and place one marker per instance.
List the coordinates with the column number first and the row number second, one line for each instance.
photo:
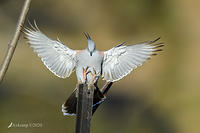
column 57, row 57
column 121, row 60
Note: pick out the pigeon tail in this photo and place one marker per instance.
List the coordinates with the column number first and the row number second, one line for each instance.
column 69, row 107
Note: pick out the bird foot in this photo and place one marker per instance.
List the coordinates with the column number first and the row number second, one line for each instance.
column 95, row 76
column 85, row 72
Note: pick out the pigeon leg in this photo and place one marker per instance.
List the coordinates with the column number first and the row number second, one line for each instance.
column 95, row 76
column 85, row 72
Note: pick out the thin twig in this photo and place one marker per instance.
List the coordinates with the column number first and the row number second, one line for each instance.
column 12, row 45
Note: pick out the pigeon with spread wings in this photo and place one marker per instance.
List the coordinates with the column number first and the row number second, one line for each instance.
column 89, row 63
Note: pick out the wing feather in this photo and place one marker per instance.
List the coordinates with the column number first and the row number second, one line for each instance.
column 121, row 60
column 57, row 57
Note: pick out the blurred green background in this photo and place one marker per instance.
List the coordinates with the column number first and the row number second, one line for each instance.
column 163, row 96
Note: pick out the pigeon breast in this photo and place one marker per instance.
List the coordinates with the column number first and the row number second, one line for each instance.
column 85, row 60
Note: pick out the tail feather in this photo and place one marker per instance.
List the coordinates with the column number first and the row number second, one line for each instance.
column 69, row 107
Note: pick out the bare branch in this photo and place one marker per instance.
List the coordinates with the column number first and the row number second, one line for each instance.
column 12, row 45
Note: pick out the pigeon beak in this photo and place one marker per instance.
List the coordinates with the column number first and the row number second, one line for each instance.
column 90, row 53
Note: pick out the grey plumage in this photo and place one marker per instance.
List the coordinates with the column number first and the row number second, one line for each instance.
column 113, row 64
column 84, row 59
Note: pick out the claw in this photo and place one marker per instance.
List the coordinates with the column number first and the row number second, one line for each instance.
column 95, row 76
column 86, row 68
column 85, row 72
column 94, row 71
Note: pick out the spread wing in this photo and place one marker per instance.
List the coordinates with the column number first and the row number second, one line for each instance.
column 57, row 57
column 121, row 60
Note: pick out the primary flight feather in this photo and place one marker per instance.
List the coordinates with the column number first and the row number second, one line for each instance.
column 89, row 63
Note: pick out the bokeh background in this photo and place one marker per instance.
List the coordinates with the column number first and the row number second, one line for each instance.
column 162, row 96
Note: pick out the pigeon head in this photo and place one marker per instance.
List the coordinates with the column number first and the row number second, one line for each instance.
column 91, row 45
